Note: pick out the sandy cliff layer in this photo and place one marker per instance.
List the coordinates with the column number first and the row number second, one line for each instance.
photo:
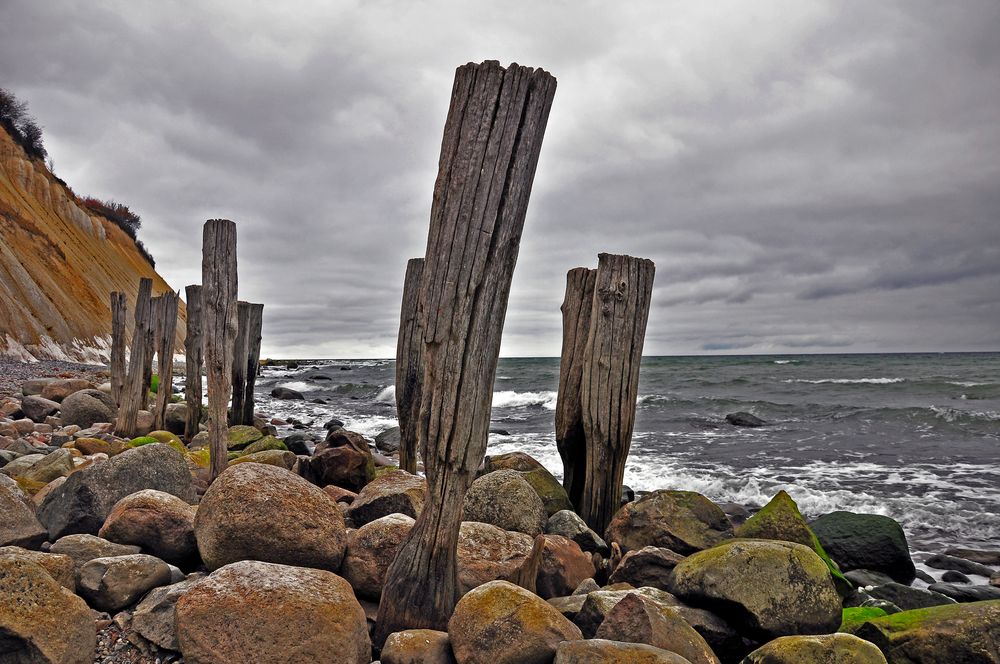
column 58, row 266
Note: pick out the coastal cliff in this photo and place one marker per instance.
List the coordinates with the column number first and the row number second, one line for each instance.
column 58, row 265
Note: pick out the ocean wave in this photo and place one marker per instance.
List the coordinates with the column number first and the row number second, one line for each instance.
column 786, row 361
column 388, row 395
column 847, row 381
column 300, row 386
column 956, row 415
column 369, row 426
column 512, row 399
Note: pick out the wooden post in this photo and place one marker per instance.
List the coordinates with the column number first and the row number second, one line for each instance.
column 253, row 360
column 610, row 380
column 192, row 361
column 240, row 351
column 218, row 278
column 147, row 365
column 576, row 310
column 119, row 311
column 492, row 139
column 166, row 330
column 134, row 395
column 409, row 366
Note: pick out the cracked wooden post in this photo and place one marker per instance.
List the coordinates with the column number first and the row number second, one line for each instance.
column 166, row 331
column 577, row 306
column 256, row 319
column 409, row 366
column 193, row 358
column 610, row 380
column 134, row 395
column 492, row 139
column 240, row 350
column 119, row 312
column 154, row 317
column 218, row 303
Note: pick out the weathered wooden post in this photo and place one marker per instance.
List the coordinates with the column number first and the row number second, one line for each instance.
column 218, row 278
column 240, row 350
column 256, row 320
column 409, row 366
column 576, row 310
column 492, row 139
column 134, row 395
column 192, row 361
column 119, row 311
column 147, row 365
column 166, row 330
column 610, row 380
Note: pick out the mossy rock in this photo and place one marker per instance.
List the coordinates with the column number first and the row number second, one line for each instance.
column 281, row 458
column 30, row 487
column 265, row 443
column 853, row 617
column 382, row 470
column 200, row 457
column 548, row 488
column 817, row 649
column 142, row 440
column 781, row 520
column 165, row 437
column 233, row 455
column 200, row 439
column 154, row 384
column 242, row 435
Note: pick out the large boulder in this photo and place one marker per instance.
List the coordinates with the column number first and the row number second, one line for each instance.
column 505, row 499
column 240, row 436
column 153, row 617
column 58, row 390
column 258, row 512
column 599, row 603
column 500, row 623
column 37, row 408
column 19, row 525
column 765, row 589
column 907, row 597
column 602, row 651
column 648, row 566
column 824, row 649
column 961, row 592
column 370, row 550
column 110, row 584
column 487, row 553
column 640, row 619
column 161, row 523
column 394, row 492
column 548, row 488
column 866, row 541
column 285, row 615
column 343, row 459
column 568, row 523
column 55, row 464
column 86, row 407
column 40, row 621
column 85, row 499
column 682, row 521
column 564, row 566
column 417, row 646
column 58, row 566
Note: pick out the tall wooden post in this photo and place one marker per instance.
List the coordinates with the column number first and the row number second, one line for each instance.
column 576, row 310
column 147, row 365
column 240, row 350
column 119, row 311
column 256, row 320
column 610, row 381
column 134, row 395
column 166, row 330
column 218, row 278
column 192, row 361
column 409, row 366
column 492, row 139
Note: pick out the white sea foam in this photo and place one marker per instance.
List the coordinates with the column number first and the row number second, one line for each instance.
column 369, row 425
column 955, row 414
column 300, row 386
column 511, row 399
column 848, row 381
column 388, row 395
column 786, row 361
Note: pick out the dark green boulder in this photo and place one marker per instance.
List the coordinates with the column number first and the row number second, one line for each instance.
column 866, row 541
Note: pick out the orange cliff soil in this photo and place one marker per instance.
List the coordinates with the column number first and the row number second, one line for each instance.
column 58, row 267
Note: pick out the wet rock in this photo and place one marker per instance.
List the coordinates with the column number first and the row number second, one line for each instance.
column 37, row 408
column 682, row 521
column 951, row 576
column 569, row 524
column 505, row 499
column 981, row 556
column 86, row 407
column 744, row 419
column 602, row 651
column 564, row 566
column 287, row 394
column 110, row 584
column 393, row 492
column 648, row 566
column 161, row 523
column 867, row 577
column 866, row 541
column 825, row 649
column 944, row 561
column 639, row 619
column 297, row 443
column 388, row 440
column 966, row 593
column 370, row 550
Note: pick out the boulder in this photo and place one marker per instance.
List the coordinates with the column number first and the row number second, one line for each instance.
column 342, row 459
column 40, row 621
column 602, row 651
column 21, row 464
column 241, row 435
column 639, row 619
column 49, row 467
column 280, row 458
column 264, row 443
column 254, row 511
column 548, row 488
column 320, row 620
column 370, row 550
column 569, row 524
column 682, row 521
column 153, row 617
column 648, row 566
column 58, row 390
column 35, row 386
column 287, row 393
column 37, row 408
column 951, row 576
column 393, row 492
column 84, row 548
column 94, row 446
column 388, row 440
column 825, row 649
column 965, row 593
column 866, row 541
column 564, row 566
column 58, row 566
column 599, row 603
column 907, row 598
column 417, row 646
column 19, row 525
column 85, row 499
column 110, row 584
column 744, row 419
column 340, row 495
column 944, row 561
column 505, row 499
column 161, row 523
column 176, row 418
column 724, row 641
column 86, row 407
column 866, row 577
column 298, row 443
column 487, row 553
column 981, row 556
column 500, row 623
column 765, row 589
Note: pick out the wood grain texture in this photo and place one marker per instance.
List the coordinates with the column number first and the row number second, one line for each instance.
column 409, row 366
column 166, row 331
column 218, row 298
column 256, row 321
column 577, row 306
column 193, row 358
column 134, row 394
column 489, row 152
column 147, row 365
column 240, row 351
column 119, row 313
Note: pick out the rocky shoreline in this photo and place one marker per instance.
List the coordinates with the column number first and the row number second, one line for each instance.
column 118, row 550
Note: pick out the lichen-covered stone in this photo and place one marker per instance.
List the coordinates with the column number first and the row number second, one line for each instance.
column 640, row 619
column 161, row 523
column 417, row 646
column 821, row 649
column 59, row 567
column 393, row 492
column 602, row 651
column 504, row 499
column 110, row 584
column 280, row 458
column 682, row 521
column 241, row 435
column 487, row 553
column 866, row 541
column 370, row 550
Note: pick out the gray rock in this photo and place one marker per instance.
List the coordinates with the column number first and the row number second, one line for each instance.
column 86, row 407
column 37, row 408
column 21, row 464
column 966, row 593
column 944, row 561
column 35, row 386
column 866, row 541
column 505, row 499
column 867, row 577
column 744, row 419
column 951, row 576
column 908, row 598
column 981, row 556
column 176, row 418
column 153, row 618
column 287, row 393
column 18, row 524
column 297, row 443
column 388, row 440
column 49, row 467
column 110, row 584
column 569, row 524
column 84, row 548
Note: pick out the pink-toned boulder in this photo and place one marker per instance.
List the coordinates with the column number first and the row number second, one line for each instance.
column 161, row 523
column 370, row 550
column 564, row 567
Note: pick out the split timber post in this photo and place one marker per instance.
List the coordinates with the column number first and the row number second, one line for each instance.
column 577, row 307
column 166, row 329
column 147, row 365
column 240, row 363
column 119, row 311
column 192, row 361
column 134, row 395
column 218, row 279
column 409, row 366
column 492, row 139
column 256, row 320
column 610, row 381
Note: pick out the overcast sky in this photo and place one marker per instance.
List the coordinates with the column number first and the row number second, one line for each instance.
column 807, row 176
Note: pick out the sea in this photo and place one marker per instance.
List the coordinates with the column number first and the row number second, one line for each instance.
column 912, row 436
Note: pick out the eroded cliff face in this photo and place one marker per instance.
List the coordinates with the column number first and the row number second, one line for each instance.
column 58, row 267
